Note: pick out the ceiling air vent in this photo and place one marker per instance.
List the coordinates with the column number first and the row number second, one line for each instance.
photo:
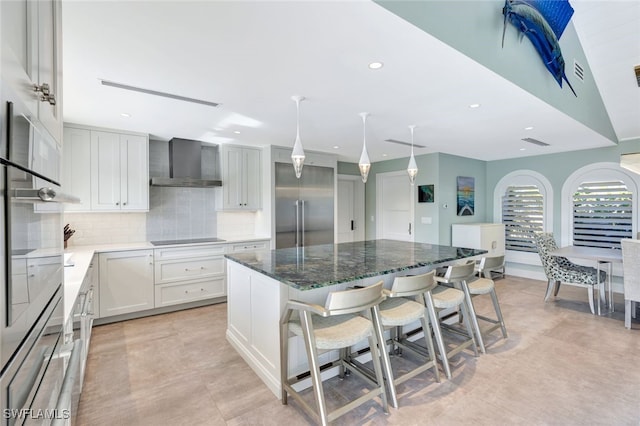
column 578, row 70
column 535, row 142
column 415, row 145
column 637, row 70
column 157, row 93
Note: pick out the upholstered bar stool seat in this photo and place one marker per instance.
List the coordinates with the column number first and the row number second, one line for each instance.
column 404, row 305
column 348, row 317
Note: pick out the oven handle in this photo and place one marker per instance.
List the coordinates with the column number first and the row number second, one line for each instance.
column 64, row 400
column 44, row 194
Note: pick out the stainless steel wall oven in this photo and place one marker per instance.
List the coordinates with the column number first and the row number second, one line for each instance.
column 32, row 361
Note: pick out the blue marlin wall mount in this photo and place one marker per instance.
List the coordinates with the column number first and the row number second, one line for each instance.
column 543, row 22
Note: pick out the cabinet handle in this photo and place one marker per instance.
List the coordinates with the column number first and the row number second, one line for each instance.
column 117, row 204
column 124, row 204
column 46, row 96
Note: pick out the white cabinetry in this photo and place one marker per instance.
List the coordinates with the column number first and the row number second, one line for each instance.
column 248, row 246
column 188, row 274
column 241, row 178
column 108, row 170
column 76, row 167
column 485, row 236
column 31, row 57
column 126, row 282
column 119, row 172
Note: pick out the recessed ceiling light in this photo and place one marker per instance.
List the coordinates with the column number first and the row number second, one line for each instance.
column 237, row 132
column 376, row 65
column 523, row 149
column 384, row 155
column 124, row 114
column 528, row 128
column 474, row 106
column 217, row 129
column 336, row 147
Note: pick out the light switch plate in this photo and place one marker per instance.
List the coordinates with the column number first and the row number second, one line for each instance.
column 425, row 220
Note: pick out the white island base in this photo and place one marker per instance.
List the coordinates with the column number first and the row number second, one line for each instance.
column 255, row 303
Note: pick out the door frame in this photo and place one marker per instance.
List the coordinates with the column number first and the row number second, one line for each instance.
column 358, row 206
column 380, row 202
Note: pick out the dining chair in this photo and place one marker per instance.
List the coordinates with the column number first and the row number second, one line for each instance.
column 348, row 317
column 631, row 279
column 561, row 270
column 405, row 304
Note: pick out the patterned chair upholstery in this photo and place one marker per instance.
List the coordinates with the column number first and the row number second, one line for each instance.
column 562, row 270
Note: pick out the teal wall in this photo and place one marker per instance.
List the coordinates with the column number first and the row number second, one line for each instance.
column 348, row 168
column 474, row 27
column 451, row 167
column 555, row 167
column 441, row 170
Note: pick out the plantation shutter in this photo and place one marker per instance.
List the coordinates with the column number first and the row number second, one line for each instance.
column 522, row 215
column 602, row 214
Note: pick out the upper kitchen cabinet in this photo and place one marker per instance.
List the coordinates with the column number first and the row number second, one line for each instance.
column 32, row 58
column 76, row 167
column 119, row 172
column 241, row 178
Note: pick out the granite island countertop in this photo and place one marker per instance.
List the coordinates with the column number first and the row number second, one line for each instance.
column 322, row 265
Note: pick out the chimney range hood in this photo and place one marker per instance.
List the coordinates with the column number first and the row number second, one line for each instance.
column 185, row 166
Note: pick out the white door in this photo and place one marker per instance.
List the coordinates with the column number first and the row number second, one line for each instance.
column 394, row 206
column 350, row 220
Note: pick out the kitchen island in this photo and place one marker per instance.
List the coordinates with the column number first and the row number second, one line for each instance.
column 260, row 283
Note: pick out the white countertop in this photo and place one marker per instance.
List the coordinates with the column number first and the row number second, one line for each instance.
column 82, row 255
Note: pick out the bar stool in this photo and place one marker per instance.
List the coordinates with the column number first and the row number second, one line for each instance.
column 337, row 325
column 487, row 286
column 405, row 304
column 490, row 264
column 444, row 297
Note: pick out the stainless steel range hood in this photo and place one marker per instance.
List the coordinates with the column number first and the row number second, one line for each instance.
column 185, row 166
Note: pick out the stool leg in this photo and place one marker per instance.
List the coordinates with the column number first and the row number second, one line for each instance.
column 382, row 357
column 496, row 306
column 432, row 353
column 472, row 314
column 467, row 323
column 284, row 359
column 435, row 323
column 314, row 368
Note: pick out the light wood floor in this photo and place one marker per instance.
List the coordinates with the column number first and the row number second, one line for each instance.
column 560, row 366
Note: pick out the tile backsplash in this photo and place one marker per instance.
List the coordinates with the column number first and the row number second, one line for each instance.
column 179, row 213
column 106, row 228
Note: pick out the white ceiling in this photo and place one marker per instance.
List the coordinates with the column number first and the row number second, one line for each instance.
column 253, row 56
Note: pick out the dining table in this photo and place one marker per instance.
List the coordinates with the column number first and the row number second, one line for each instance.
column 601, row 256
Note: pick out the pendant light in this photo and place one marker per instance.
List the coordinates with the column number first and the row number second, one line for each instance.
column 297, row 156
column 364, row 164
column 412, row 168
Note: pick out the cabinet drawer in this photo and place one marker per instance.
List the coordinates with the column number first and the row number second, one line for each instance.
column 179, row 270
column 187, row 252
column 173, row 294
column 250, row 245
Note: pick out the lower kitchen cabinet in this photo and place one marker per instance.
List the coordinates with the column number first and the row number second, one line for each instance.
column 126, row 282
column 184, row 292
column 189, row 274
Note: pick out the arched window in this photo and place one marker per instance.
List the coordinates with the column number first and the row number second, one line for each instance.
column 599, row 202
column 523, row 202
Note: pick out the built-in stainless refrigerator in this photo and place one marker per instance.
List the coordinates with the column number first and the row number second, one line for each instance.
column 304, row 207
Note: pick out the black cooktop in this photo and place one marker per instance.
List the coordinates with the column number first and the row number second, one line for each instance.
column 187, row 241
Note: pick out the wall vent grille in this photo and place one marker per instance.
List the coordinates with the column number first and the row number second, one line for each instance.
column 578, row 70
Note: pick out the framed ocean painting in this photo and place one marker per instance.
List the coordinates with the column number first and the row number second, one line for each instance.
column 426, row 193
column 466, row 195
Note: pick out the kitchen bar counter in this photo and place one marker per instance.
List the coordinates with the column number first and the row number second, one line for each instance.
column 319, row 266
column 260, row 283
